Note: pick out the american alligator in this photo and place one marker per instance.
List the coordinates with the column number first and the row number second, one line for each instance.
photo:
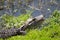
column 5, row 33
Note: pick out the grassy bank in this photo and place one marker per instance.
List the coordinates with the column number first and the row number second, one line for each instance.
column 50, row 30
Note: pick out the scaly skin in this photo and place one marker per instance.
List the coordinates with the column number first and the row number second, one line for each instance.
column 17, row 31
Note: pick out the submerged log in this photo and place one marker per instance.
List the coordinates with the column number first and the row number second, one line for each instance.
column 18, row 31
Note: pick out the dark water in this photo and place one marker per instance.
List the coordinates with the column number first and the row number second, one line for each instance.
column 46, row 8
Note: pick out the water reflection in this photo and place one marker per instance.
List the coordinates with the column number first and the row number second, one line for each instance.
column 46, row 7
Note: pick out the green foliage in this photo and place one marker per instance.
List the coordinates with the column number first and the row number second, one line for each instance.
column 10, row 21
column 50, row 30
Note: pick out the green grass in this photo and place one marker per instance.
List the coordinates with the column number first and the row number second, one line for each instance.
column 10, row 21
column 50, row 30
